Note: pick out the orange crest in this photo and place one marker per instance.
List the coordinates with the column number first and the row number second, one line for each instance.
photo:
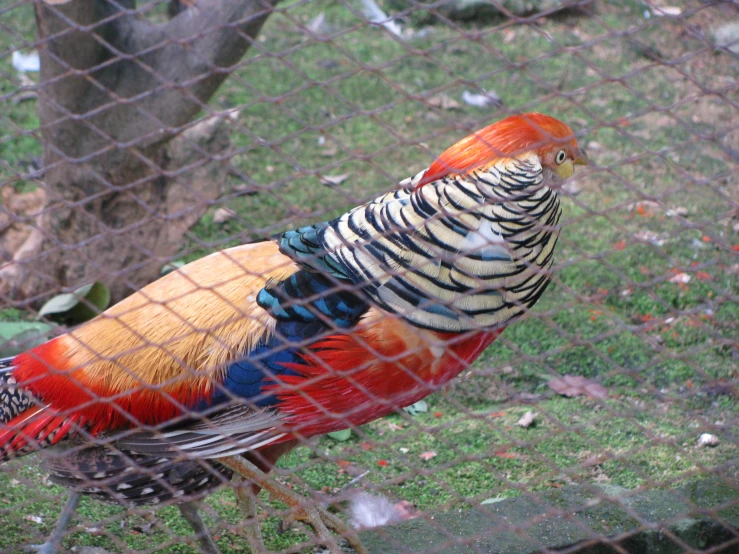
column 507, row 138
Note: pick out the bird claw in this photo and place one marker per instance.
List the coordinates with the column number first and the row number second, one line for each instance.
column 323, row 522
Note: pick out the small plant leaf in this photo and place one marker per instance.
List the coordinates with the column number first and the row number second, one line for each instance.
column 576, row 385
column 81, row 305
column 19, row 336
column 171, row 266
column 341, row 436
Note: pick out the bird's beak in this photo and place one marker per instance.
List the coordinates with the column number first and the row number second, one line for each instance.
column 582, row 158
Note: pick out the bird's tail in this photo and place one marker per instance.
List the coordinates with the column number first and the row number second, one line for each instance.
column 13, row 400
column 133, row 479
column 24, row 424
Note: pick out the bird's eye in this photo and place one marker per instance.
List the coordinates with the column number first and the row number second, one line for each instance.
column 561, row 155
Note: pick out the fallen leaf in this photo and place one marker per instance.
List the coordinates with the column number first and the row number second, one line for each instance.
column 703, row 276
column 35, row 519
column 527, row 420
column 596, row 459
column 382, row 463
column 496, row 414
column 680, row 278
column 222, row 215
column 493, row 500
column 576, row 385
column 620, row 245
column 661, row 11
column 334, row 180
column 395, row 427
column 443, row 102
column 644, row 207
column 438, row 414
column 330, row 151
column 367, row 446
column 679, row 211
column 649, row 236
column 506, row 455
column 427, row 455
column 481, row 100
column 318, row 25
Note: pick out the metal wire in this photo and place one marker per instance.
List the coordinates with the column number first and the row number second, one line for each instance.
column 157, row 134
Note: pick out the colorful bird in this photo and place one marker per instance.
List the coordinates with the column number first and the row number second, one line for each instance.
column 240, row 356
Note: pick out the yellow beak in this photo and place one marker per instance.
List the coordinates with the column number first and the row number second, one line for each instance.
column 582, row 158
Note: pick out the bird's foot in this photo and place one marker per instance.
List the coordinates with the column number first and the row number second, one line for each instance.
column 247, row 505
column 318, row 518
column 47, row 548
column 323, row 523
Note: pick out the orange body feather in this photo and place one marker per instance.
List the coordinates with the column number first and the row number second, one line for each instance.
column 155, row 353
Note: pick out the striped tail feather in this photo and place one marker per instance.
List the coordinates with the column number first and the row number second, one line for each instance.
column 25, row 426
column 131, row 479
column 32, row 430
column 13, row 400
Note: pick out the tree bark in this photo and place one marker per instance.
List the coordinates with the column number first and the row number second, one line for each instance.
column 125, row 171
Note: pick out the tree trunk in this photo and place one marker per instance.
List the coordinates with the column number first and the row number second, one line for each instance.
column 126, row 173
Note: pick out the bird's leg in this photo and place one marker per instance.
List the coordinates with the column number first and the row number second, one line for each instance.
column 248, row 507
column 317, row 517
column 191, row 513
column 54, row 541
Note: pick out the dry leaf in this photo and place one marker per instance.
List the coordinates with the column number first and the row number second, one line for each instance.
column 680, row 278
column 443, row 102
column 35, row 519
column 527, row 420
column 223, row 215
column 427, row 455
column 644, row 207
column 660, row 11
column 576, row 385
column 330, row 151
column 649, row 236
column 679, row 211
column 596, row 459
column 334, row 180
column 395, row 427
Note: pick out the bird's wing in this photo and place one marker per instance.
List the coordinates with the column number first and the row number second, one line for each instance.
column 437, row 254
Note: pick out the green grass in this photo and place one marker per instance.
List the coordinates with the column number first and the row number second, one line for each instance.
column 611, row 314
column 481, row 454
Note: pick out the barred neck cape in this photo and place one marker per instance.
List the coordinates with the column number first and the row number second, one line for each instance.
column 458, row 254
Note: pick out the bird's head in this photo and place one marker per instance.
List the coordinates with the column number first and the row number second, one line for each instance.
column 515, row 136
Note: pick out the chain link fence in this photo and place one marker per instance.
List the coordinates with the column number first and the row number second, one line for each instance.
column 137, row 138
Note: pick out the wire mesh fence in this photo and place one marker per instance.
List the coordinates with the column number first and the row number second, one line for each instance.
column 358, row 372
